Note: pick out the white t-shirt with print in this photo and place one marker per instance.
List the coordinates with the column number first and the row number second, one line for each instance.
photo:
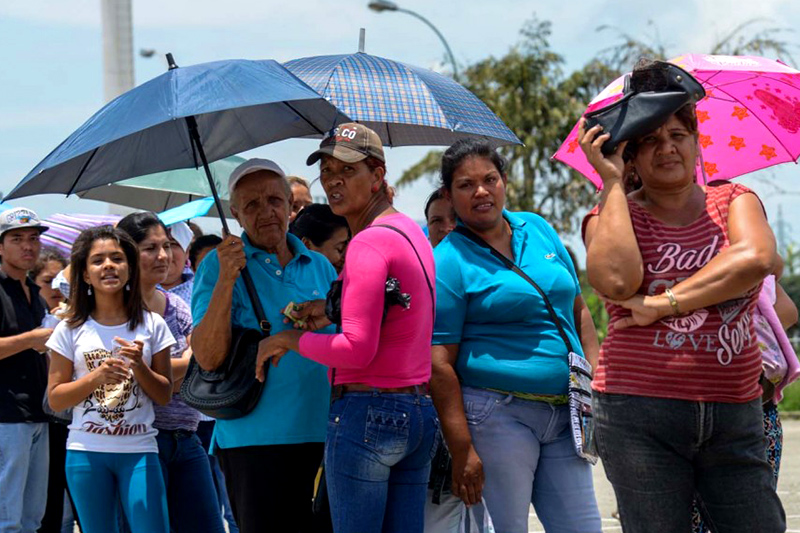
column 114, row 418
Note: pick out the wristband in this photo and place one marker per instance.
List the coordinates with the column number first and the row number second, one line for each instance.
column 672, row 301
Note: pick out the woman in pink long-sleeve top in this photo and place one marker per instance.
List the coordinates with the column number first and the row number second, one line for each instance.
column 382, row 427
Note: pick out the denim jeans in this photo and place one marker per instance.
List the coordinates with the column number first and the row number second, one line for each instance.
column 191, row 497
column 445, row 516
column 24, row 461
column 660, row 453
column 528, row 457
column 377, row 460
column 205, row 430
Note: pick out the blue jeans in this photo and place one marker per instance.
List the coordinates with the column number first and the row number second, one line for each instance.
column 97, row 481
column 205, row 430
column 445, row 516
column 528, row 457
column 191, row 497
column 24, row 461
column 377, row 461
column 659, row 454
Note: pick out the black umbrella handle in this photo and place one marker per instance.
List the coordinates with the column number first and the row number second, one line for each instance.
column 194, row 136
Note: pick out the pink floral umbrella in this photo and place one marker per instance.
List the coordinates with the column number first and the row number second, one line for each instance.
column 749, row 119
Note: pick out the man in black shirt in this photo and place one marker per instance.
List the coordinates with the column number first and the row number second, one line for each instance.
column 23, row 376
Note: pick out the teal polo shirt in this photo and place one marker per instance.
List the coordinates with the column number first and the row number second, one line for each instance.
column 294, row 405
column 506, row 338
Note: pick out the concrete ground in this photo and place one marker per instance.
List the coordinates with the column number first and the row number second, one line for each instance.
column 788, row 485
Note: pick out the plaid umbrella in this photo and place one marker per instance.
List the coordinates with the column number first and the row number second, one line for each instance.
column 404, row 104
column 64, row 229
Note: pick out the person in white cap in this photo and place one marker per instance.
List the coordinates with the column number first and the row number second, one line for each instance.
column 23, row 376
column 270, row 456
column 180, row 278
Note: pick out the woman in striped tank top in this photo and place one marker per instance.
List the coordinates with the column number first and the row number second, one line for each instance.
column 677, row 394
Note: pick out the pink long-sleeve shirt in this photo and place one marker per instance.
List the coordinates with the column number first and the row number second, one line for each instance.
column 391, row 352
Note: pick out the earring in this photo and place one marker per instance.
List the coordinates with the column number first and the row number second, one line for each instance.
column 375, row 187
column 127, row 286
column 89, row 291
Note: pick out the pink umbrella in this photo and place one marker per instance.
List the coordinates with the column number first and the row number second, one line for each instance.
column 749, row 119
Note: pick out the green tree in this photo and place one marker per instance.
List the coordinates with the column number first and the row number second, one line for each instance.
column 752, row 37
column 528, row 89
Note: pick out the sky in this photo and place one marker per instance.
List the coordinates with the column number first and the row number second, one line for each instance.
column 51, row 66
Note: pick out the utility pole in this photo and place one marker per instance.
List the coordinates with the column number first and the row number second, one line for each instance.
column 117, row 17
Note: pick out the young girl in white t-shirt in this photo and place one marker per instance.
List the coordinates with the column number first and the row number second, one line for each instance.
column 110, row 360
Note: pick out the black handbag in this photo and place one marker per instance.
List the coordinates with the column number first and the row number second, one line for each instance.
column 650, row 96
column 232, row 390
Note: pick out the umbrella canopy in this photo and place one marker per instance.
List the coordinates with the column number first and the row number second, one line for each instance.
column 64, row 229
column 181, row 213
column 749, row 119
column 166, row 190
column 235, row 105
column 404, row 104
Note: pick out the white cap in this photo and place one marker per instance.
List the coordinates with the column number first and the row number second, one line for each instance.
column 250, row 166
column 181, row 232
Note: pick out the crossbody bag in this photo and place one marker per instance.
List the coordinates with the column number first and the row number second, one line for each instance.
column 580, row 371
column 231, row 391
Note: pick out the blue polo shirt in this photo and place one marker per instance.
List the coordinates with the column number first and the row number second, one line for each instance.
column 506, row 338
column 294, row 405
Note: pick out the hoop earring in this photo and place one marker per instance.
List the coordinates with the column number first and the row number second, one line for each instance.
column 89, row 290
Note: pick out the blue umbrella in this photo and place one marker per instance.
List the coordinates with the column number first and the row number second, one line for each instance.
column 183, row 118
column 404, row 104
column 194, row 209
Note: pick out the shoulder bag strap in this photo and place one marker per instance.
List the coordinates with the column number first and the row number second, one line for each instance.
column 263, row 323
column 511, row 266
column 424, row 270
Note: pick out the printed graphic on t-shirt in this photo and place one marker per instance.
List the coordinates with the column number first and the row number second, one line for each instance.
column 733, row 335
column 111, row 402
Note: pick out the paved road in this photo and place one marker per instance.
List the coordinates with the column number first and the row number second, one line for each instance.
column 788, row 485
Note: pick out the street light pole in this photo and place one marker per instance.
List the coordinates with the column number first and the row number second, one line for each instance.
column 379, row 6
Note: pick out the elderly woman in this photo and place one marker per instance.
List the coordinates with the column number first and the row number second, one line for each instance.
column 382, row 427
column 677, row 395
column 500, row 365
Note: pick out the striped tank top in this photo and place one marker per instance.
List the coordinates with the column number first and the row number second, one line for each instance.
column 710, row 354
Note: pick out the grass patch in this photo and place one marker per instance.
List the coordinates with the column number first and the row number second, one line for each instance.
column 791, row 398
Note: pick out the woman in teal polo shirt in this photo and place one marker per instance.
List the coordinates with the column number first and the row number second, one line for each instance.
column 500, row 369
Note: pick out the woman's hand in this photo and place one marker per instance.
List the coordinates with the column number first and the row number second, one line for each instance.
column 112, row 371
column 468, row 477
column 132, row 350
column 313, row 312
column 644, row 310
column 610, row 167
column 274, row 347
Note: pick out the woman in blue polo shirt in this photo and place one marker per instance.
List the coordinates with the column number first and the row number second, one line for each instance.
column 500, row 369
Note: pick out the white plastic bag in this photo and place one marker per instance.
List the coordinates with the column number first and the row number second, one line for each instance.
column 488, row 526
